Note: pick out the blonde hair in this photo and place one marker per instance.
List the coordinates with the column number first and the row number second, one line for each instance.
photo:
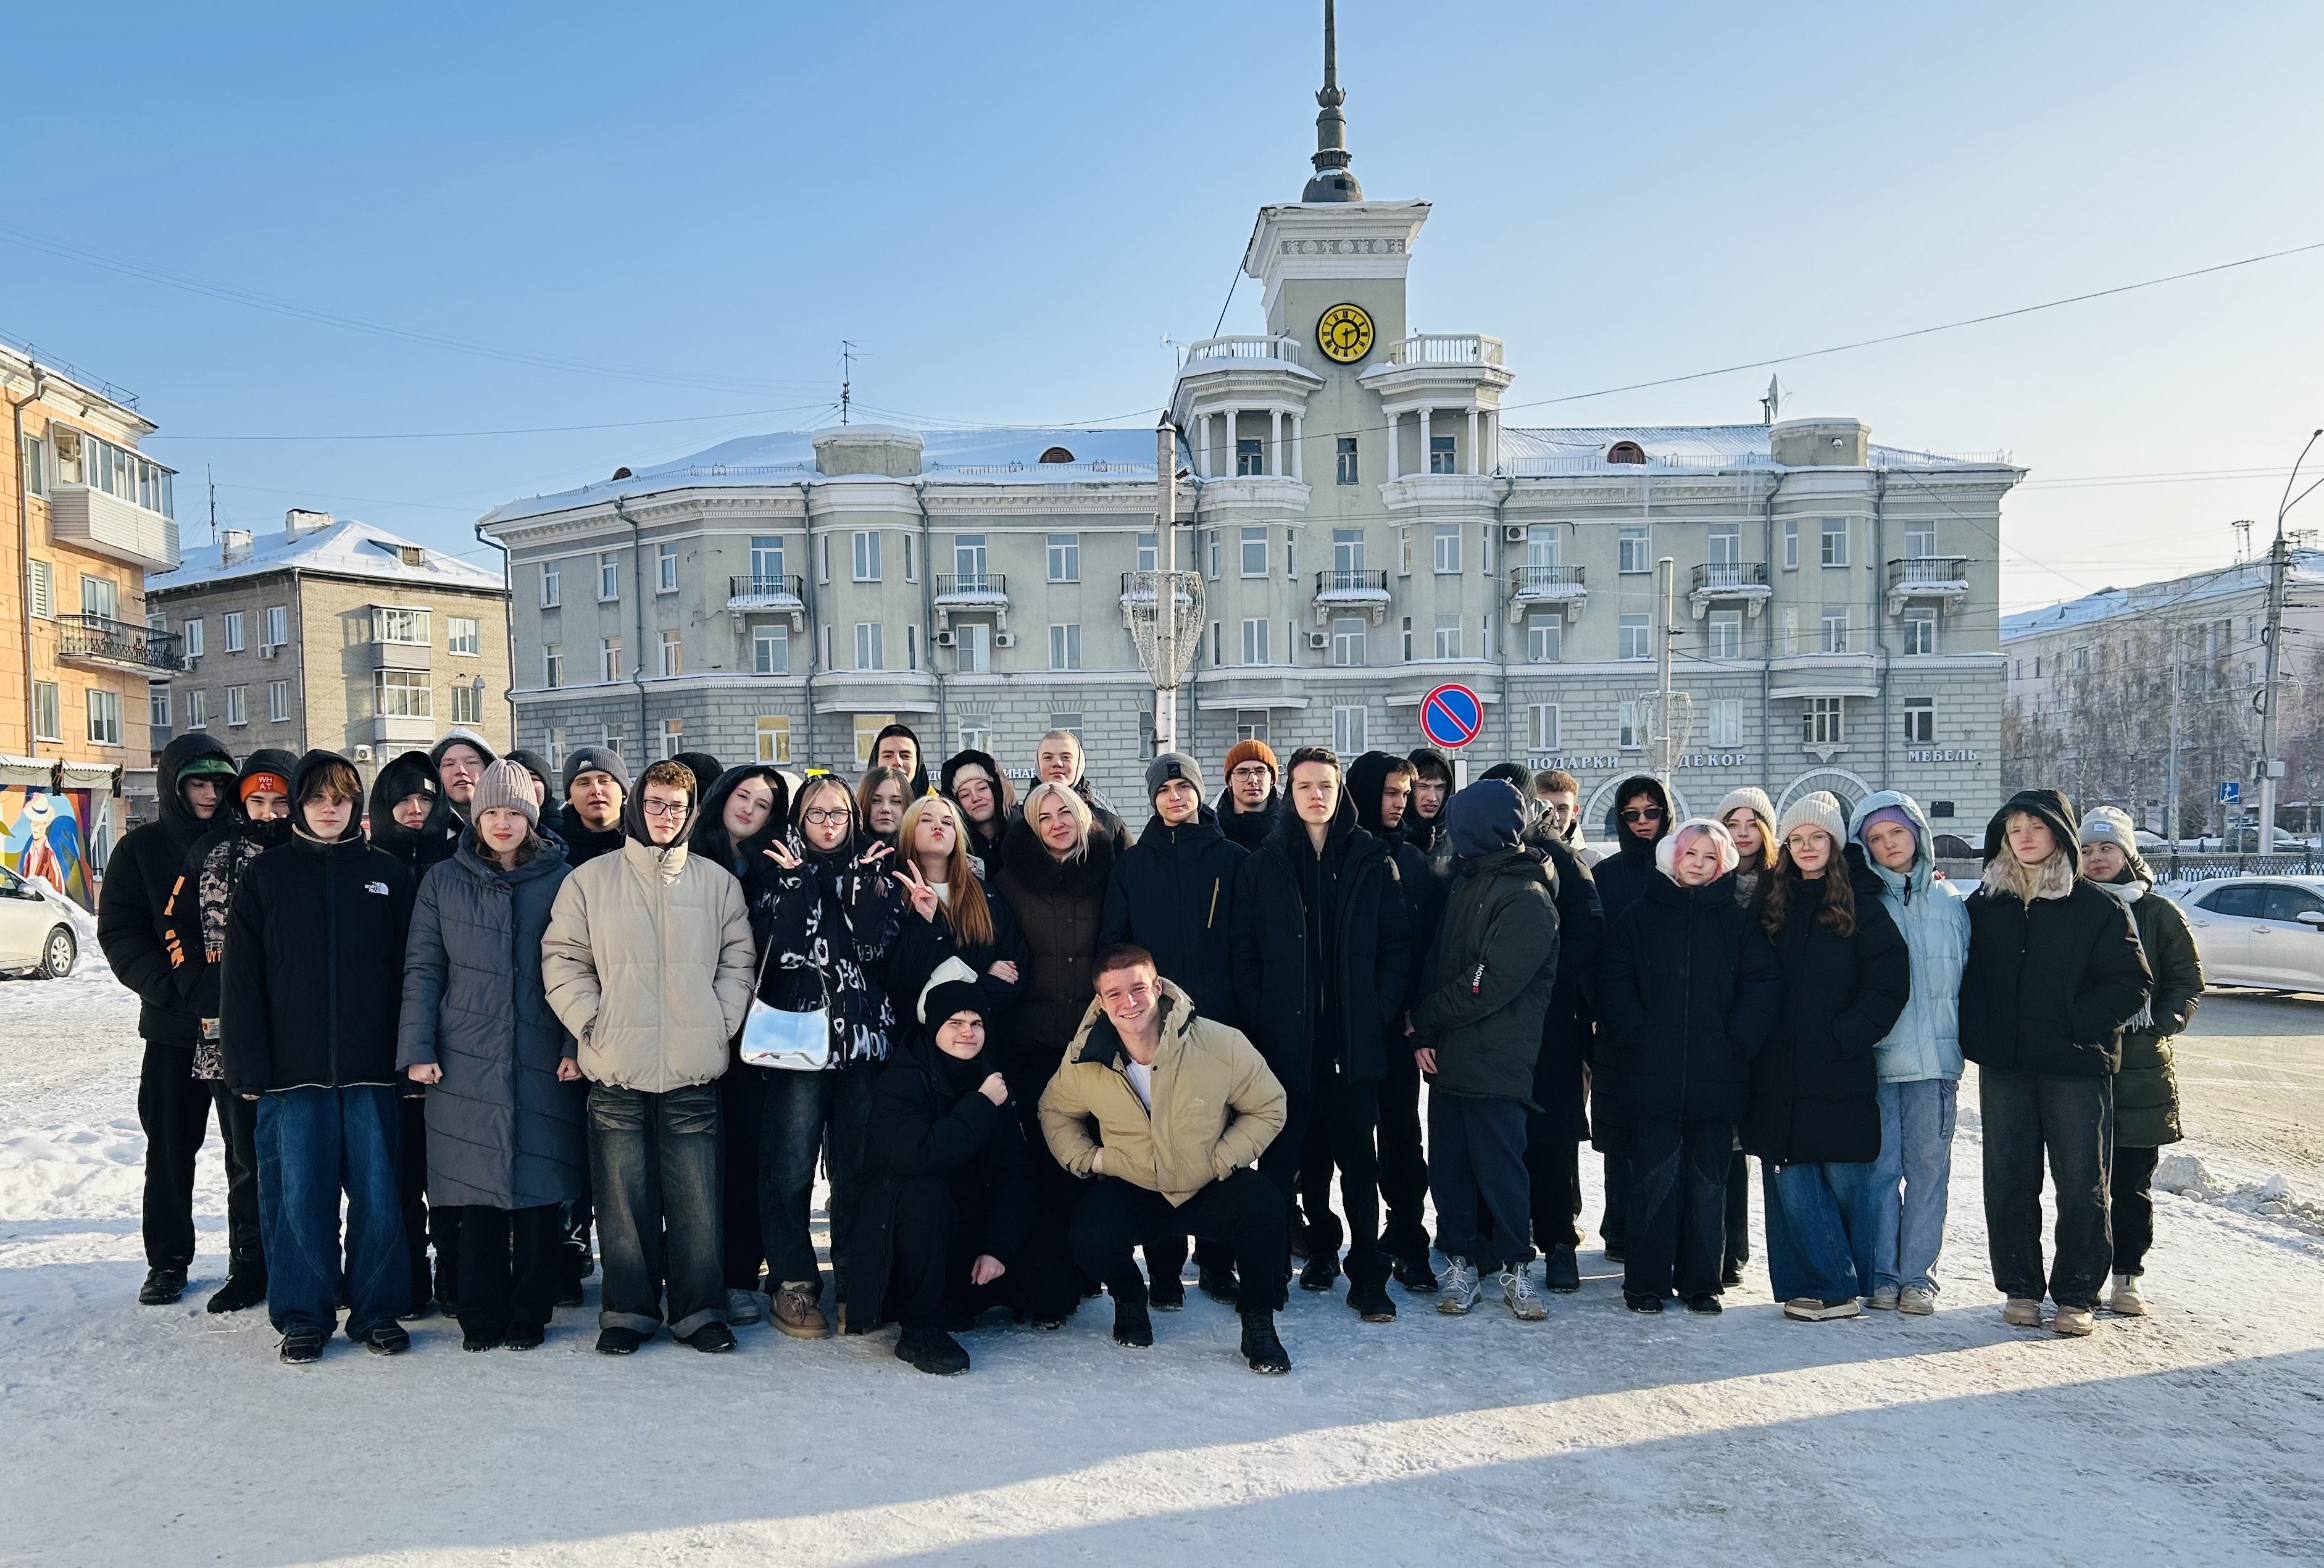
column 1082, row 820
column 970, row 916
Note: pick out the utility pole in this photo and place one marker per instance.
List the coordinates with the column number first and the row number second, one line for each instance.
column 1165, row 591
column 2271, row 768
column 2171, row 762
column 1666, row 745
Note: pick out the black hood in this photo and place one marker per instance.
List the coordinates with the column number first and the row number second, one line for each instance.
column 848, row 848
column 2052, row 806
column 170, row 770
column 633, row 819
column 266, row 760
column 919, row 781
column 1367, row 781
column 706, row 769
column 1637, row 852
column 1426, row 832
column 710, row 839
column 412, row 773
column 311, row 764
column 1004, row 792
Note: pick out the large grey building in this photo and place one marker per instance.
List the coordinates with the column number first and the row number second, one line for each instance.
column 1366, row 528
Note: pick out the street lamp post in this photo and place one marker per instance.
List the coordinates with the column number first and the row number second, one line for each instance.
column 2278, row 560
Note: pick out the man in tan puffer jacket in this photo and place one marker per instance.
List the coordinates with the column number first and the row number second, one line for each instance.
column 648, row 962
column 1167, row 1111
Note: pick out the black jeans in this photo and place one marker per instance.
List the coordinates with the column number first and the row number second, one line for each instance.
column 1339, row 1122
column 1614, row 1224
column 1244, row 1210
column 1678, row 1206
column 1403, row 1158
column 423, row 1222
column 174, row 1107
column 653, row 1160
column 1553, row 1172
column 1737, row 1251
column 741, row 1111
column 806, row 1115
column 2071, row 1121
column 239, row 1121
column 509, row 1274
column 1480, row 1149
column 935, row 1245
column 2133, row 1207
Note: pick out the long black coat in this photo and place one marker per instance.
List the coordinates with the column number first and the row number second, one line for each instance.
column 1371, row 958
column 131, row 916
column 920, row 1125
column 922, row 944
column 2048, row 988
column 1173, row 893
column 1688, row 992
column 1567, row 1030
column 1815, row 1084
column 1059, row 905
column 501, row 1132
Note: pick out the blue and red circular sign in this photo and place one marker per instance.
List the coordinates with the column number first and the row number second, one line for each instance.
column 1450, row 716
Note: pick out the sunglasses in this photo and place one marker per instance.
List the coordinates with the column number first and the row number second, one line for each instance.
column 1643, row 813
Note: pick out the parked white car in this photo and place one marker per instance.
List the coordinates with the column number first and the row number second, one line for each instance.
column 2259, row 931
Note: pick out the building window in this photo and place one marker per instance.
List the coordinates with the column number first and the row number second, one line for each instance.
column 867, row 734
column 870, row 654
column 1726, row 544
column 104, row 716
column 232, row 630
column 911, row 559
column 1442, row 458
column 1248, row 457
column 1065, row 551
column 609, row 658
column 866, row 556
column 1835, row 628
column 552, row 665
column 1920, row 721
column 1347, row 460
column 1448, row 637
column 278, row 702
column 1348, row 555
column 1819, row 721
column 1254, row 552
column 1727, row 721
column 1920, row 632
column 1725, row 635
column 197, row 710
column 1630, row 551
column 1210, row 554
column 278, row 627
column 36, row 478
column 774, row 737
column 673, row 656
column 1254, row 642
column 100, row 596
column 461, row 633
column 1252, row 724
column 617, row 740
column 1791, row 544
column 1835, row 542
column 1544, row 639
column 1149, row 552
column 552, row 589
column 557, row 752
column 770, row 650
column 766, row 558
column 1544, row 726
column 673, row 737
column 1406, row 635
column 974, row 732
column 387, row 625
column 1789, row 641
column 609, row 577
column 665, row 568
column 1920, row 540
column 1348, row 642
column 1447, row 544
column 405, row 694
column 1626, row 727
column 1633, row 639
column 47, row 716
column 467, row 703
column 1348, row 731
column 44, row 589
column 1066, row 647
column 157, row 705
column 974, row 639
column 1216, row 637
column 237, row 707
column 823, row 558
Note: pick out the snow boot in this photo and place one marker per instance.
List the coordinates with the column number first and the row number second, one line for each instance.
column 386, row 1339
column 479, row 1344
column 525, row 1336
column 712, row 1339
column 244, row 1288
column 1218, row 1283
column 1520, row 1297
column 796, row 1312
column 1371, row 1300
column 162, row 1287
column 1705, row 1303
column 2073, row 1321
column 1643, row 1301
column 1168, row 1294
column 619, row 1341
column 931, row 1351
column 1261, row 1347
column 2021, row 1312
column 2124, row 1298
column 302, row 1345
column 1323, row 1271
column 1461, row 1288
column 1412, row 1271
column 1561, row 1272
column 1813, row 1309
column 1132, row 1328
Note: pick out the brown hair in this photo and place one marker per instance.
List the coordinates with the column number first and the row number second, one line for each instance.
column 527, row 847
column 1555, row 782
column 1767, row 850
column 873, row 778
column 965, row 909
column 670, row 775
column 1122, row 956
column 336, row 778
column 1838, row 911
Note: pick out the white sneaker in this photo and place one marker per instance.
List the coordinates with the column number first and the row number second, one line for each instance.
column 2021, row 1312
column 2076, row 1321
column 744, row 1306
column 1518, row 1292
column 1458, row 1289
column 1883, row 1298
column 1815, row 1309
column 2124, row 1298
column 1916, row 1301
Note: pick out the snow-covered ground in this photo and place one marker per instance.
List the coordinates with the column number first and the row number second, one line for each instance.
column 165, row 1436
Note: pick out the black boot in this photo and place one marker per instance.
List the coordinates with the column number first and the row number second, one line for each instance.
column 1414, row 1275
column 244, row 1288
column 386, row 1339
column 1371, row 1300
column 1132, row 1325
column 1167, row 1294
column 1261, row 1347
column 931, row 1350
column 162, row 1287
column 1323, row 1271
column 1218, row 1283
column 302, row 1345
column 1560, row 1270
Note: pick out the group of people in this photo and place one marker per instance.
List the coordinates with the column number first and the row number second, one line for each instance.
column 515, row 1017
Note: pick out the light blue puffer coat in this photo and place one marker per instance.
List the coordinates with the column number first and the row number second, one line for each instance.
column 1926, row 1041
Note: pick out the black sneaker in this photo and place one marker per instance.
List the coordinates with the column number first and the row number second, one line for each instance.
column 1732, row 1275
column 1617, row 1253
column 568, row 1294
column 1414, row 1275
column 1559, row 1271
column 619, row 1341
column 1132, row 1326
column 525, row 1336
column 932, row 1351
column 1261, row 1347
column 386, row 1339
column 712, row 1339
column 302, row 1345
column 1639, row 1301
column 479, row 1343
column 244, row 1288
column 1371, row 1301
column 1322, row 1273
column 1167, row 1295
column 1218, row 1283
column 162, row 1287
column 1706, row 1302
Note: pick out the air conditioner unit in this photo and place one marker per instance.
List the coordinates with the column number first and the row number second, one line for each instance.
column 947, row 639
column 269, row 649
column 1004, row 640
column 1319, row 640
column 363, row 753
column 1513, row 533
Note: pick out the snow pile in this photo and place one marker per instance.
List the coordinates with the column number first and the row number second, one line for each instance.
column 81, row 1170
column 2184, row 1175
column 2271, row 1197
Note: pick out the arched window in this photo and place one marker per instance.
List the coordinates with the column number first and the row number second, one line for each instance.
column 1625, row 452
column 1056, row 455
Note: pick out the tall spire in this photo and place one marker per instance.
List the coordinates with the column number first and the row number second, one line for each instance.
column 1331, row 182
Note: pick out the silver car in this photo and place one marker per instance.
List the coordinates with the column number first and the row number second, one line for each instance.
column 2259, row 931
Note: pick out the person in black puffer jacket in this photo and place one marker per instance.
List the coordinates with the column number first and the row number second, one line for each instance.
column 313, row 987
column 191, row 778
column 1251, row 798
column 974, row 782
column 1432, row 791
column 2054, row 972
column 1642, row 818
column 597, row 791
column 1689, row 991
column 1814, row 1120
column 408, row 809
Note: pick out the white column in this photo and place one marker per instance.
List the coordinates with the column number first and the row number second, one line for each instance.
column 1233, row 416
column 1275, row 441
column 1425, row 465
column 1203, row 445
column 1395, row 444
column 1297, row 441
column 1476, row 456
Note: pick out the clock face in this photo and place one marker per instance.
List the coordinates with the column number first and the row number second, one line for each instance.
column 1344, row 333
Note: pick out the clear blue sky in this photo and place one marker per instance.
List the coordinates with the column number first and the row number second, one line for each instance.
column 1010, row 205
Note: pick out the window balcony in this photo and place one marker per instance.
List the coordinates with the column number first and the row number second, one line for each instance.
column 401, row 730
column 1552, row 587
column 1342, row 593
column 380, row 654
column 109, row 644
column 972, row 594
column 95, row 520
column 1745, row 581
column 779, row 595
column 1942, row 577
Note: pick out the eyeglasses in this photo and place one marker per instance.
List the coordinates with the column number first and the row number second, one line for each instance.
column 662, row 807
column 825, row 817
column 1252, row 771
column 1643, row 813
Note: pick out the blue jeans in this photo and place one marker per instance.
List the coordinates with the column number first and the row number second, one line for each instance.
column 653, row 1160
column 1903, row 1222
column 312, row 1145
column 1809, row 1250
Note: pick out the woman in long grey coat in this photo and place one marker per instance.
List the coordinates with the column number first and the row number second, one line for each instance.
column 505, row 1141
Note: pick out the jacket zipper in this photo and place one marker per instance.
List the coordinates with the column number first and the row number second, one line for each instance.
column 331, row 948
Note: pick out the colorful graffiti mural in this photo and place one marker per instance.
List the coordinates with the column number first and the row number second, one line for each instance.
column 44, row 836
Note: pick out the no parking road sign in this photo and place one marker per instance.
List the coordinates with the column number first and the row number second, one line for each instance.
column 1451, row 715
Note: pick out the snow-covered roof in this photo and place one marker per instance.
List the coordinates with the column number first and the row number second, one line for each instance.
column 346, row 549
column 1582, row 449
column 2307, row 570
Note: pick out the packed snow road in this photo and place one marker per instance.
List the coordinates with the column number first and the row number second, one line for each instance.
column 165, row 1436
